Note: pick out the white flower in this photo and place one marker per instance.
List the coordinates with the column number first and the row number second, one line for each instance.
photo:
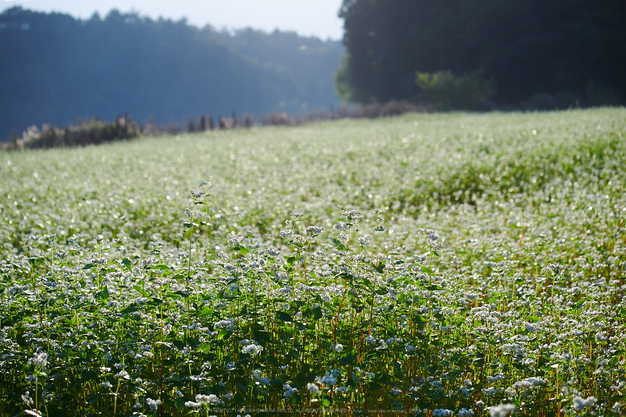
column 313, row 389
column 227, row 324
column 27, row 399
column 314, row 230
column 153, row 404
column 327, row 380
column 442, row 412
column 289, row 391
column 502, row 410
column 208, row 399
column 40, row 360
column 122, row 375
column 192, row 405
column 529, row 383
column 580, row 404
column 251, row 348
column 338, row 347
column 463, row 412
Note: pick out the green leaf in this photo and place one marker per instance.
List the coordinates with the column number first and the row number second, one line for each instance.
column 340, row 245
column 316, row 313
column 140, row 290
column 261, row 337
column 348, row 359
column 204, row 348
column 292, row 259
column 242, row 250
column 206, row 311
column 126, row 262
column 88, row 266
column 88, row 376
column 104, row 294
column 379, row 268
column 283, row 316
column 161, row 268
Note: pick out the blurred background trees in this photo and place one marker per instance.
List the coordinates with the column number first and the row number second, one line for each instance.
column 541, row 51
column 55, row 68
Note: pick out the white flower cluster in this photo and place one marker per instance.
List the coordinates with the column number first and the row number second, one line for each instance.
column 153, row 404
column 204, row 401
column 529, row 383
column 250, row 347
column 227, row 324
column 259, row 379
column 502, row 410
column 579, row 403
column 337, row 348
column 314, row 231
column 464, row 412
column 39, row 360
column 289, row 391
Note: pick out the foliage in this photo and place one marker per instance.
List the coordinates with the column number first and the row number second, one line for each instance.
column 426, row 264
column 448, row 91
column 94, row 132
column 62, row 68
column 309, row 61
column 527, row 47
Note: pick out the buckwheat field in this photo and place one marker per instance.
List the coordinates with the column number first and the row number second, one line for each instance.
column 423, row 265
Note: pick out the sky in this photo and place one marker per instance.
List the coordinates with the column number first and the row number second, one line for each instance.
column 306, row 17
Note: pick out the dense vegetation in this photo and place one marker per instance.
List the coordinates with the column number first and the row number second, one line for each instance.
column 57, row 68
column 559, row 51
column 451, row 264
column 93, row 133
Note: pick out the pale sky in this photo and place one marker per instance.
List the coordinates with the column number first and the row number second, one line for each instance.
column 307, row 17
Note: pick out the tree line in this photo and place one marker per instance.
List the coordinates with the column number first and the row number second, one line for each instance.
column 521, row 51
column 56, row 68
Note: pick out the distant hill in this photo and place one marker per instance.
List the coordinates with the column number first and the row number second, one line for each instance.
column 55, row 69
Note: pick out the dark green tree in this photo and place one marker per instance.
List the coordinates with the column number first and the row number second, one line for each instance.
column 526, row 47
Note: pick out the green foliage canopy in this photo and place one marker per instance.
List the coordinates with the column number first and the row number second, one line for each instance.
column 526, row 46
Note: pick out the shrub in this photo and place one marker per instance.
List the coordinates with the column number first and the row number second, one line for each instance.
column 91, row 133
column 447, row 91
column 278, row 119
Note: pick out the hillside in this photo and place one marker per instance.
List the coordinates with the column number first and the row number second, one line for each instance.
column 61, row 68
column 433, row 264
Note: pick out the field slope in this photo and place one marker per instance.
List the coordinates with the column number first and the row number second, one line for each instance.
column 449, row 264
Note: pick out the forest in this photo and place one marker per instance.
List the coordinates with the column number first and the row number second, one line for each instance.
column 56, row 68
column 546, row 53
